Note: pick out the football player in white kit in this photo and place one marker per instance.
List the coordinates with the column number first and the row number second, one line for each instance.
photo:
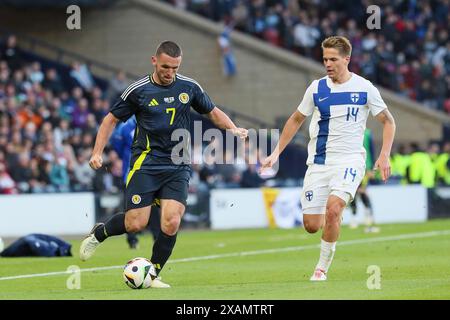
column 339, row 104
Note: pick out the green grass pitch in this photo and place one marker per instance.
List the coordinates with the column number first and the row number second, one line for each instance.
column 413, row 260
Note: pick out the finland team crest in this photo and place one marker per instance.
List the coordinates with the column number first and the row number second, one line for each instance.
column 184, row 97
column 309, row 195
column 354, row 97
column 136, row 199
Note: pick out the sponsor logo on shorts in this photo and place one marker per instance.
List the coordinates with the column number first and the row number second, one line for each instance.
column 309, row 195
column 169, row 99
column 136, row 199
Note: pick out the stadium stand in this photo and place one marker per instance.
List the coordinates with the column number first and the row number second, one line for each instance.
column 245, row 92
column 49, row 116
column 413, row 43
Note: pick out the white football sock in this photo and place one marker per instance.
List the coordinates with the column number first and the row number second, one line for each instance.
column 369, row 217
column 327, row 250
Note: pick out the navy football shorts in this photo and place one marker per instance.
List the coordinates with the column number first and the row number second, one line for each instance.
column 147, row 187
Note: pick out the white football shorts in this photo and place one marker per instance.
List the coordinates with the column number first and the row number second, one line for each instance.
column 321, row 181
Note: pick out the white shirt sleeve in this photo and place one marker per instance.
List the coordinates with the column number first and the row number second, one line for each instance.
column 374, row 100
column 306, row 107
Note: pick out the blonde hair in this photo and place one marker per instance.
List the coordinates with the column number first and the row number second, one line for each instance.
column 342, row 44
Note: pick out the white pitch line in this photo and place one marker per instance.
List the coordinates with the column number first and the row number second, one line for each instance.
column 250, row 253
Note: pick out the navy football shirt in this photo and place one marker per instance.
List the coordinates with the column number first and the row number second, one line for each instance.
column 159, row 111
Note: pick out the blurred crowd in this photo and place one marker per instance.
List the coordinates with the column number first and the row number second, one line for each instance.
column 410, row 164
column 409, row 54
column 48, row 128
column 430, row 167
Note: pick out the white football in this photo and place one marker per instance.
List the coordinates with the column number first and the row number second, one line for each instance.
column 139, row 273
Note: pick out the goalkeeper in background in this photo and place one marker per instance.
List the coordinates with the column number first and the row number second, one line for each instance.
column 361, row 191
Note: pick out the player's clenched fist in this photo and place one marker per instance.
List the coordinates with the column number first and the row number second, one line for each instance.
column 96, row 161
column 240, row 132
column 268, row 162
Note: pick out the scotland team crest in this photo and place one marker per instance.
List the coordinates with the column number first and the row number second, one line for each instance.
column 184, row 98
column 136, row 199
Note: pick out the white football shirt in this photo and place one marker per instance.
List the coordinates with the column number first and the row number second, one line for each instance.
column 339, row 116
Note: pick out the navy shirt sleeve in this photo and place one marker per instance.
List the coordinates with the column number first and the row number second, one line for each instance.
column 124, row 109
column 201, row 102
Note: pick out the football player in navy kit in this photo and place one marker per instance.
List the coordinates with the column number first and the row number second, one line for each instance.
column 162, row 103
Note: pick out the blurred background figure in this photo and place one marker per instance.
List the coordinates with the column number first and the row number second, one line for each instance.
column 117, row 86
column 443, row 166
column 228, row 59
column 122, row 140
column 82, row 76
column 421, row 169
column 361, row 192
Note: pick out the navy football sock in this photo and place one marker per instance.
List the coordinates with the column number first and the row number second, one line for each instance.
column 162, row 249
column 113, row 227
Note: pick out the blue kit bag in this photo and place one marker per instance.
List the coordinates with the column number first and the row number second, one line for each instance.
column 38, row 245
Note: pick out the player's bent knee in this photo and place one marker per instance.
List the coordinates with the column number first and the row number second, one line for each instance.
column 131, row 227
column 134, row 227
column 171, row 226
column 311, row 228
column 135, row 224
column 312, row 225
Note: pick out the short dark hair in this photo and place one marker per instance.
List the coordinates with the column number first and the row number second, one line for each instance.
column 170, row 48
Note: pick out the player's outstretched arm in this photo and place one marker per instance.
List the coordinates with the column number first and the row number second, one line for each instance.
column 291, row 127
column 222, row 121
column 383, row 163
column 104, row 132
